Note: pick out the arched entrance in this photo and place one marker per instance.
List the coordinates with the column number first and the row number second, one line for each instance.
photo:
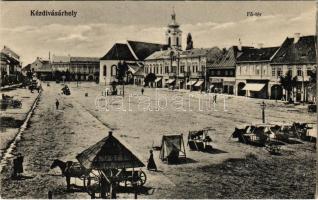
column 276, row 92
column 240, row 91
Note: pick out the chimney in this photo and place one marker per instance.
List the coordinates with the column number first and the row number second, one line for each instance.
column 110, row 133
column 260, row 45
column 296, row 37
column 239, row 44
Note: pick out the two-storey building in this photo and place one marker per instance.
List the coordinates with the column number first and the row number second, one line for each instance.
column 221, row 73
column 77, row 68
column 181, row 69
column 254, row 76
column 298, row 56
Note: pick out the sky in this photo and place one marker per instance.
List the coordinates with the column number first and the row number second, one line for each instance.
column 98, row 25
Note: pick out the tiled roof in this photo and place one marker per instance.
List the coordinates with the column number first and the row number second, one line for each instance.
column 257, row 54
column 144, row 49
column 301, row 52
column 211, row 53
column 228, row 57
column 8, row 59
column 84, row 59
column 119, row 52
column 165, row 54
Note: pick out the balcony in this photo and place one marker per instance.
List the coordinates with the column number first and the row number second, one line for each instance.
column 171, row 74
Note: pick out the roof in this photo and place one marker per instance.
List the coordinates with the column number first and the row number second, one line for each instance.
column 257, row 54
column 6, row 50
column 228, row 57
column 6, row 58
column 140, row 72
column 133, row 67
column 84, row 59
column 162, row 54
column 210, row 53
column 27, row 67
column 56, row 59
column 302, row 51
column 119, row 52
column 144, row 49
column 46, row 67
column 109, row 153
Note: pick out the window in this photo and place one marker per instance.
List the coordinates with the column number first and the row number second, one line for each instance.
column 182, row 69
column 226, row 72
column 273, row 71
column 231, row 72
column 279, row 72
column 177, row 41
column 299, row 71
column 113, row 70
column 169, row 41
column 257, row 70
column 212, row 72
column 218, row 72
column 309, row 71
column 104, row 70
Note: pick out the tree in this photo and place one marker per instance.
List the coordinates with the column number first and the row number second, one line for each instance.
column 150, row 78
column 189, row 42
column 288, row 82
column 122, row 69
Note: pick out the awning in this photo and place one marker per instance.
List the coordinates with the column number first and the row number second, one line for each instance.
column 191, row 82
column 199, row 83
column 254, row 86
column 158, row 79
column 170, row 81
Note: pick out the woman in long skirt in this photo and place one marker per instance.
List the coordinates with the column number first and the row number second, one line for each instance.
column 151, row 162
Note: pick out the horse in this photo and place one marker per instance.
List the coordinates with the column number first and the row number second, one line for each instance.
column 71, row 169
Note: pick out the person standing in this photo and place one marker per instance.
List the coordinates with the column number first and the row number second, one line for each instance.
column 142, row 91
column 57, row 103
column 17, row 166
column 151, row 162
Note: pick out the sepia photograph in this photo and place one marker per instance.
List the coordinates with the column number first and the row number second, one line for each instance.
column 158, row 99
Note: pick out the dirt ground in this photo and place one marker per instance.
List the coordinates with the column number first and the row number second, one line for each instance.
column 232, row 170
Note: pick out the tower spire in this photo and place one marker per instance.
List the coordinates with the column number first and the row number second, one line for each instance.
column 173, row 15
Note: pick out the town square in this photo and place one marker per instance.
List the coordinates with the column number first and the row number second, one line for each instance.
column 182, row 108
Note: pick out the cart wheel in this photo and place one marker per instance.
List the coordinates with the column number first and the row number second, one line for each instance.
column 142, row 178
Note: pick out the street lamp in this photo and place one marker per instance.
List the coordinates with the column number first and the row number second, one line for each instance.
column 263, row 106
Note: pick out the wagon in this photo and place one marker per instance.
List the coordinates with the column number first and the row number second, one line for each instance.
column 8, row 101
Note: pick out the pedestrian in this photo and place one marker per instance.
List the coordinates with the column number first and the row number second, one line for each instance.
column 57, row 103
column 17, row 166
column 142, row 91
column 151, row 162
column 214, row 98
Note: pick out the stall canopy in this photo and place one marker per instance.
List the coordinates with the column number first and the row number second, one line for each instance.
column 109, row 153
column 254, row 86
column 170, row 81
column 158, row 79
column 199, row 83
column 172, row 146
column 191, row 82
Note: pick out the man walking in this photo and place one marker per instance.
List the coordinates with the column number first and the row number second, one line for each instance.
column 57, row 103
column 142, row 91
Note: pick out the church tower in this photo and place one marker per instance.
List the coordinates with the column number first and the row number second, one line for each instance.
column 173, row 33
